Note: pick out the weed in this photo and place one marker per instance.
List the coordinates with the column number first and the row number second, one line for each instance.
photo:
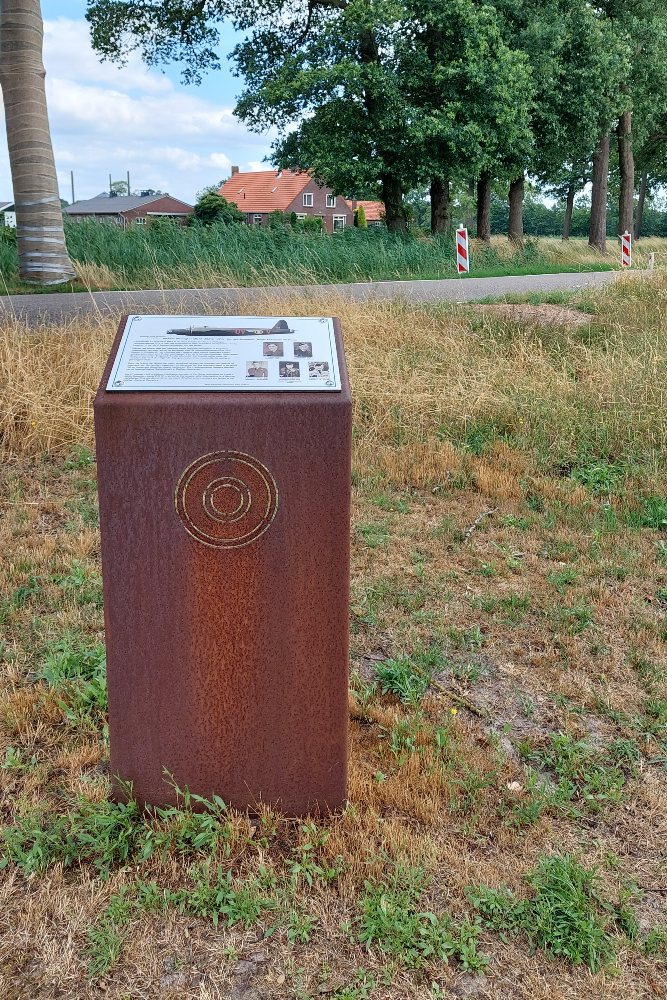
column 586, row 776
column 562, row 579
column 392, row 920
column 651, row 514
column 304, row 864
column 408, row 677
column 374, row 534
column 105, row 944
column 215, row 896
column 565, row 915
column 361, row 989
column 300, row 927
column 78, row 674
column 655, row 942
column 85, row 588
column 470, row 638
column 574, row 619
column 80, row 457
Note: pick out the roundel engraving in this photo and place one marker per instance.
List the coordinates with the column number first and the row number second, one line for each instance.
column 226, row 499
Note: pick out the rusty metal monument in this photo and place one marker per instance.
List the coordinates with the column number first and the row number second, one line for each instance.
column 223, row 449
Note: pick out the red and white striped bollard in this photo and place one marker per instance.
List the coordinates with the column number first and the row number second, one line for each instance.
column 626, row 249
column 462, row 256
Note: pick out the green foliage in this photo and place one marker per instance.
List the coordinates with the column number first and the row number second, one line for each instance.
column 565, row 915
column 392, row 920
column 77, row 673
column 408, row 677
column 212, row 208
column 360, row 217
column 305, row 865
column 587, row 777
column 108, row 834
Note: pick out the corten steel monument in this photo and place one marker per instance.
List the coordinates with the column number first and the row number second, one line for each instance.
column 224, row 514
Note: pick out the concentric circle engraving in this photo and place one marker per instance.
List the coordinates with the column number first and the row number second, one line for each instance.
column 226, row 499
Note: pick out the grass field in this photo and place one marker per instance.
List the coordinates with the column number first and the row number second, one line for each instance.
column 507, row 821
column 166, row 256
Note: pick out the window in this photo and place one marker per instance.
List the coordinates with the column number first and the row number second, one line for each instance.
column 140, row 221
column 339, row 221
column 300, row 216
column 257, row 220
column 331, row 201
column 308, row 200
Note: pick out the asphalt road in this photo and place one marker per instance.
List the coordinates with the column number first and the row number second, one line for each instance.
column 62, row 306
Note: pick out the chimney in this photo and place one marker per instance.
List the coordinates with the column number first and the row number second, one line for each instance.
column 235, row 171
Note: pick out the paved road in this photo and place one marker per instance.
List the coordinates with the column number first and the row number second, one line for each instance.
column 218, row 301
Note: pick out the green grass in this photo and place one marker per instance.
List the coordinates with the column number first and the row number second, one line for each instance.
column 565, row 916
column 166, row 255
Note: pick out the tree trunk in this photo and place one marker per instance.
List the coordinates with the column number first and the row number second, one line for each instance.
column 392, row 196
column 484, row 207
column 515, row 227
column 441, row 216
column 569, row 209
column 643, row 186
column 626, row 162
column 597, row 230
column 43, row 257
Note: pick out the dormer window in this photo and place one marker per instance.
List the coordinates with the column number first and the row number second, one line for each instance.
column 308, row 200
column 331, row 201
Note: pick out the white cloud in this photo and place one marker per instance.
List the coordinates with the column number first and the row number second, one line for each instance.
column 105, row 119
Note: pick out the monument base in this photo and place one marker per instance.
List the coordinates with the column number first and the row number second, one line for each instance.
column 225, row 553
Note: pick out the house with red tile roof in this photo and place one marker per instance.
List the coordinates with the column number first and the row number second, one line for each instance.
column 259, row 193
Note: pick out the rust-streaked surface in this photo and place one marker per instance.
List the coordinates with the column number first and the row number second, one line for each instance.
column 227, row 663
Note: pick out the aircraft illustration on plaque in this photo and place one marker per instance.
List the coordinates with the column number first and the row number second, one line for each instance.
column 281, row 327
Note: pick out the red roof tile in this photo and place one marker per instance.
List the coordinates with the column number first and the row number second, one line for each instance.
column 374, row 210
column 264, row 190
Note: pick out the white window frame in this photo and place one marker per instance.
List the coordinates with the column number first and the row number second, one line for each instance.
column 140, row 220
column 341, row 220
column 300, row 217
column 257, row 219
column 331, row 201
column 308, row 199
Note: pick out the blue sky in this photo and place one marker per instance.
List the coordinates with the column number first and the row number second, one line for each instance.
column 109, row 120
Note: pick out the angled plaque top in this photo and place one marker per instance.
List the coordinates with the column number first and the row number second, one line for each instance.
column 233, row 353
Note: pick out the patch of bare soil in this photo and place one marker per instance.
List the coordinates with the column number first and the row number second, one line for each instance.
column 537, row 315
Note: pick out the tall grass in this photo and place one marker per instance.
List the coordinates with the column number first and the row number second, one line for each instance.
column 163, row 254
column 439, row 392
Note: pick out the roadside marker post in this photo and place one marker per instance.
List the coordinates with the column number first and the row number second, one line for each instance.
column 462, row 255
column 626, row 249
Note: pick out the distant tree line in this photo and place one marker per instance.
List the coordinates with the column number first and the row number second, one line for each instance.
column 378, row 99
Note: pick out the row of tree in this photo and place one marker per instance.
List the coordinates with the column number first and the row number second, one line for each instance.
column 377, row 98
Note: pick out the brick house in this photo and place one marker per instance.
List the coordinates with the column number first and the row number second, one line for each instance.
column 259, row 193
column 124, row 210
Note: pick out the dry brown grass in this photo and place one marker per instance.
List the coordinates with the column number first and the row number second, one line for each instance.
column 424, row 381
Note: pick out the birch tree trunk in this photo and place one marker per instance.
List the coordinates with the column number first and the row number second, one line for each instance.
column 43, row 257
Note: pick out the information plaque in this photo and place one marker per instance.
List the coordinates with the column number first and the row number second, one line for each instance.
column 209, row 353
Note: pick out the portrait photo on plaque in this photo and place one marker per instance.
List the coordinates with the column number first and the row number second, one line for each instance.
column 273, row 349
column 318, row 369
column 257, row 369
column 289, row 369
column 303, row 349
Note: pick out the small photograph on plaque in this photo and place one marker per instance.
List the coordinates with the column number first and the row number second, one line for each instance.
column 318, row 369
column 273, row 349
column 289, row 369
column 257, row 369
column 303, row 350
